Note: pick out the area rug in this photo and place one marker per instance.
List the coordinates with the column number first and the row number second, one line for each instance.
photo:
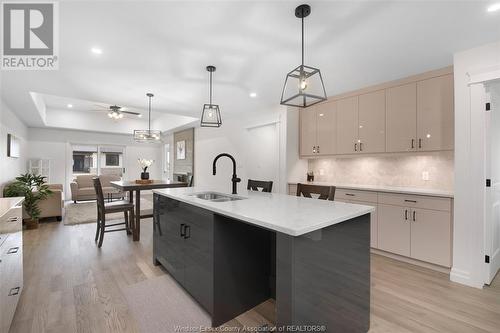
column 160, row 305
column 86, row 212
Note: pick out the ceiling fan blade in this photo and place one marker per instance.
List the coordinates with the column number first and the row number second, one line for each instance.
column 130, row 112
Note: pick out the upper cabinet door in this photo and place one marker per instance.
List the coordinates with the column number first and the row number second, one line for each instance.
column 372, row 122
column 347, row 126
column 308, row 131
column 401, row 118
column 435, row 117
column 326, row 117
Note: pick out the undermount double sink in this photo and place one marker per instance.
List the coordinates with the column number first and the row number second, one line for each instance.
column 215, row 197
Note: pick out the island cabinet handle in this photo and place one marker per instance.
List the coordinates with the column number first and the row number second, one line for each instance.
column 14, row 291
column 183, row 230
column 187, row 232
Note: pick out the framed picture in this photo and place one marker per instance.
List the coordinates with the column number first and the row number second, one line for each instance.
column 13, row 146
column 181, row 150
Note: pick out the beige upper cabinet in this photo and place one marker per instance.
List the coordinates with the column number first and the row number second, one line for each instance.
column 435, row 119
column 326, row 125
column 372, row 122
column 401, row 118
column 317, row 130
column 347, row 126
column 308, row 131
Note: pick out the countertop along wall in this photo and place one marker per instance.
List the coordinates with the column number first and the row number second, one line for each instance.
column 398, row 170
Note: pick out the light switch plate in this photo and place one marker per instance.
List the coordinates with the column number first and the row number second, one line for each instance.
column 425, row 175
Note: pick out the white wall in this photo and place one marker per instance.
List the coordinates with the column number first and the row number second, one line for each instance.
column 257, row 143
column 55, row 144
column 11, row 167
column 468, row 238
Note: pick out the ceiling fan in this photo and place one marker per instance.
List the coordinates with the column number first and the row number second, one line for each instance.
column 116, row 112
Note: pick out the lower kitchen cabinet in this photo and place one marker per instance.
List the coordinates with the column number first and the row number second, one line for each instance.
column 394, row 232
column 183, row 244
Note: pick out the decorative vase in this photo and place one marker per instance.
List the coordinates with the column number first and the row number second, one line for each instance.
column 144, row 175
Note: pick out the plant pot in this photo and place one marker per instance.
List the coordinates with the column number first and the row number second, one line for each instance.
column 31, row 223
column 144, row 175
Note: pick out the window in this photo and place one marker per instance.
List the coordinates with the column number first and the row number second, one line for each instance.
column 112, row 159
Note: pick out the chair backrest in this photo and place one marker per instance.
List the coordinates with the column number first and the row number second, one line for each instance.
column 325, row 192
column 254, row 185
column 190, row 179
column 99, row 194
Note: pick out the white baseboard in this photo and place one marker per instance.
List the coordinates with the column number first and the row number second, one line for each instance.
column 463, row 277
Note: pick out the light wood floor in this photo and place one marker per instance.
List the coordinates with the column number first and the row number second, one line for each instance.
column 71, row 286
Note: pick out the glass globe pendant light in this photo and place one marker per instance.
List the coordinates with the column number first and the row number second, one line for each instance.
column 149, row 135
column 304, row 85
column 210, row 116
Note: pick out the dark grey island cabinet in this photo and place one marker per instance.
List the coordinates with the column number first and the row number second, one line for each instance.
column 320, row 279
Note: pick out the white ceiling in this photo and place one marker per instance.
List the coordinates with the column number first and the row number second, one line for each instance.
column 164, row 46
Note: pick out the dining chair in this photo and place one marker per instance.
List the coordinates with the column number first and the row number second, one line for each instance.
column 264, row 186
column 104, row 208
column 324, row 192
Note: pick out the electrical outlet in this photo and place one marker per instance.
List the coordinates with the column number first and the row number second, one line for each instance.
column 321, row 172
column 425, row 175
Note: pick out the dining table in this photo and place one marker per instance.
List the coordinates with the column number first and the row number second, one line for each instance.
column 132, row 186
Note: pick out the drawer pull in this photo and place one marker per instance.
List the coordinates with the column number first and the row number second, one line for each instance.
column 13, row 250
column 350, row 194
column 413, row 201
column 14, row 291
column 414, row 216
column 13, row 219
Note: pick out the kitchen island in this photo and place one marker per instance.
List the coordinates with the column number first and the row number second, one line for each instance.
column 232, row 252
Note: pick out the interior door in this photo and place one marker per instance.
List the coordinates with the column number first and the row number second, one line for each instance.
column 372, row 122
column 326, row 119
column 435, row 113
column 394, row 229
column 492, row 172
column 308, row 131
column 347, row 125
column 401, row 118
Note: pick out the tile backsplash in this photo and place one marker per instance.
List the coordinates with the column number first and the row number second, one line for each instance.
column 388, row 170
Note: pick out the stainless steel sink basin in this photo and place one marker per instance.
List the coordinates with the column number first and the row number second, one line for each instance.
column 216, row 197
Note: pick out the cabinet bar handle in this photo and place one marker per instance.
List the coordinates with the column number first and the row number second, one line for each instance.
column 414, row 216
column 183, row 230
column 419, row 143
column 14, row 291
column 406, row 214
column 350, row 194
column 13, row 250
column 361, row 146
column 407, row 200
column 13, row 219
column 187, row 232
column 355, row 147
column 412, row 143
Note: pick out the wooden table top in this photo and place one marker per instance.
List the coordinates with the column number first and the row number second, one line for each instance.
column 131, row 185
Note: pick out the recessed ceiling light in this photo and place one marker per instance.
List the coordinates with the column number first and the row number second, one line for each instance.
column 494, row 7
column 253, row 94
column 70, row 106
column 96, row 50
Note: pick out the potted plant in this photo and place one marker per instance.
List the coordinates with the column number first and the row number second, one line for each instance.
column 33, row 189
column 145, row 164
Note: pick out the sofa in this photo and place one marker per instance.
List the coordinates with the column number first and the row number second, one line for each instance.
column 82, row 187
column 53, row 205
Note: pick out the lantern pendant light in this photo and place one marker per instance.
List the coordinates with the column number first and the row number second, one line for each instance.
column 149, row 135
column 304, row 85
column 210, row 116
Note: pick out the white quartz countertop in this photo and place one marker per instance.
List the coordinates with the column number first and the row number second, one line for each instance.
column 382, row 188
column 8, row 203
column 288, row 214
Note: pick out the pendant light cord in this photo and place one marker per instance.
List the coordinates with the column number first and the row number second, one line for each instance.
column 149, row 116
column 302, row 37
column 210, row 88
